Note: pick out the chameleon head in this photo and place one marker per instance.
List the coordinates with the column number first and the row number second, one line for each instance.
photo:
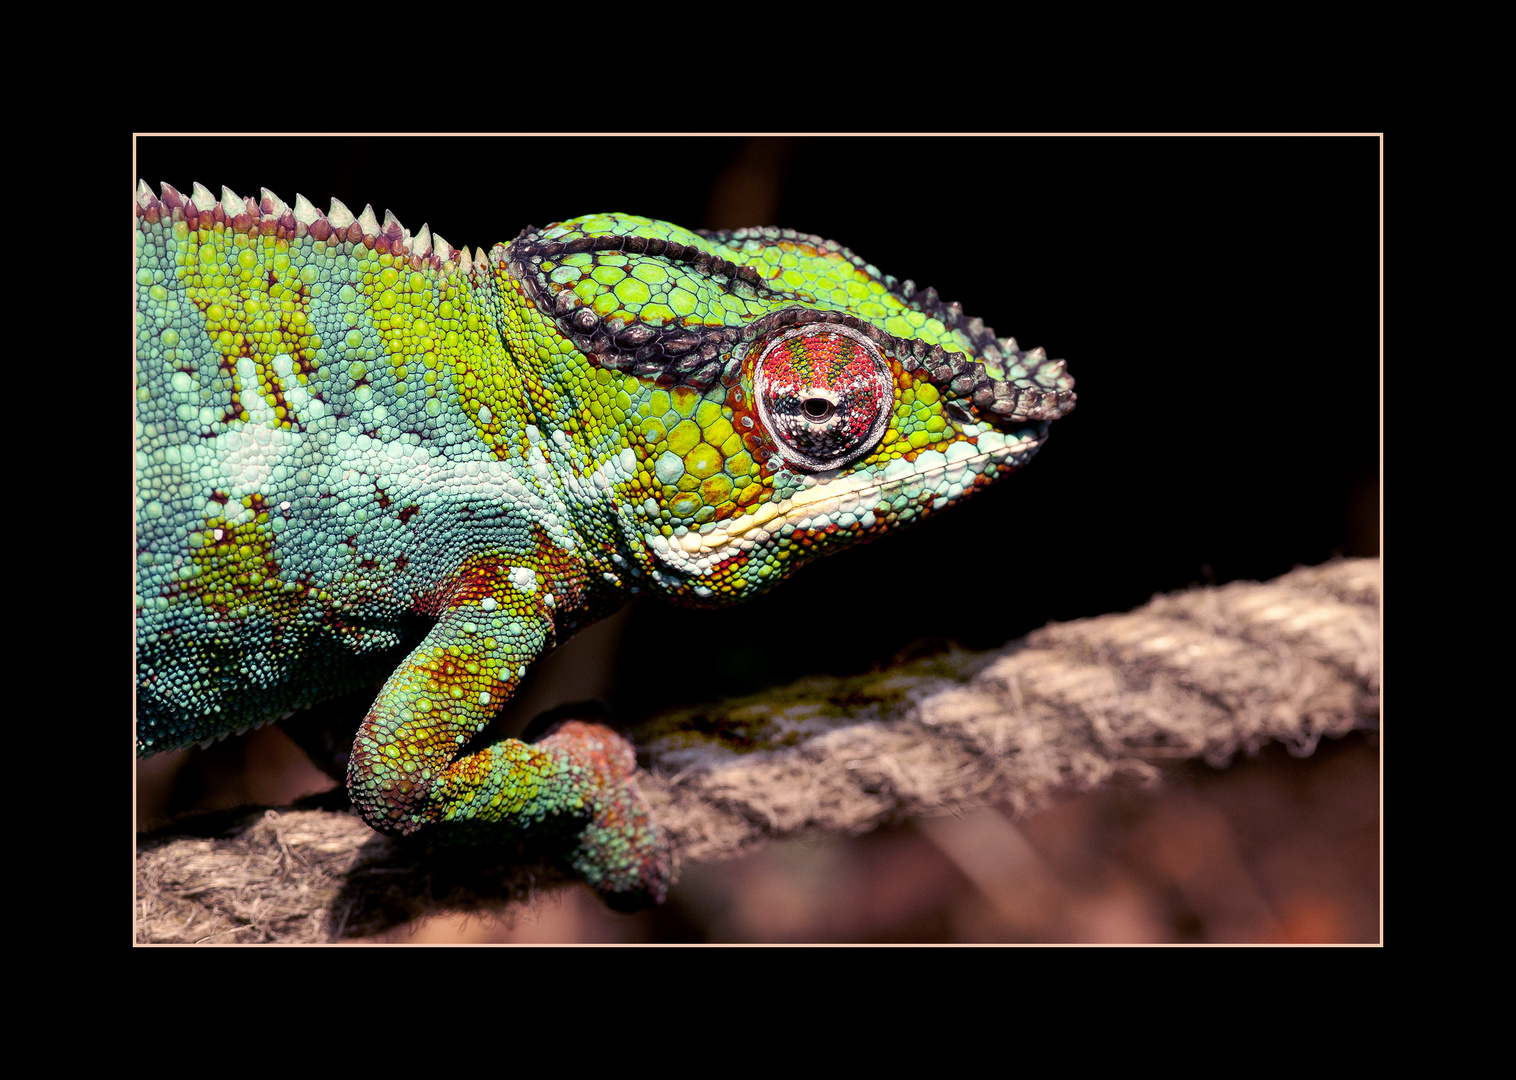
column 781, row 398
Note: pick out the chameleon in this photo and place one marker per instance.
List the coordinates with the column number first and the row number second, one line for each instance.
column 346, row 431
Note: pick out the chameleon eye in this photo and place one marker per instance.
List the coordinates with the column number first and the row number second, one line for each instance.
column 824, row 393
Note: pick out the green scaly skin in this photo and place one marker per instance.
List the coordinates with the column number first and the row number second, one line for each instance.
column 342, row 426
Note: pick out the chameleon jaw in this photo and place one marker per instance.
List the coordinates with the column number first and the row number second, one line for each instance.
column 863, row 493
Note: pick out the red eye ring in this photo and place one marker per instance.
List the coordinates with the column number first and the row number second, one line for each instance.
column 824, row 393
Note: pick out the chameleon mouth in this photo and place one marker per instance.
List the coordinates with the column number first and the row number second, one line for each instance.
column 852, row 500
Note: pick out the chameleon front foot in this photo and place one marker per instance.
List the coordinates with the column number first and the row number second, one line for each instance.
column 621, row 852
column 415, row 769
column 574, row 789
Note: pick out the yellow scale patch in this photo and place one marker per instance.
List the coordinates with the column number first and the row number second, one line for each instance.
column 254, row 304
column 428, row 323
column 700, row 467
column 236, row 573
column 402, row 304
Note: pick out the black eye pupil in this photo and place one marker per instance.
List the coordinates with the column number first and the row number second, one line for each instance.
column 817, row 408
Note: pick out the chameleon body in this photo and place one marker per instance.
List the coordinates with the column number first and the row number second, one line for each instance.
column 344, row 429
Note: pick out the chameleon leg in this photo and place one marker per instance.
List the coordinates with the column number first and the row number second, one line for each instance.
column 409, row 771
